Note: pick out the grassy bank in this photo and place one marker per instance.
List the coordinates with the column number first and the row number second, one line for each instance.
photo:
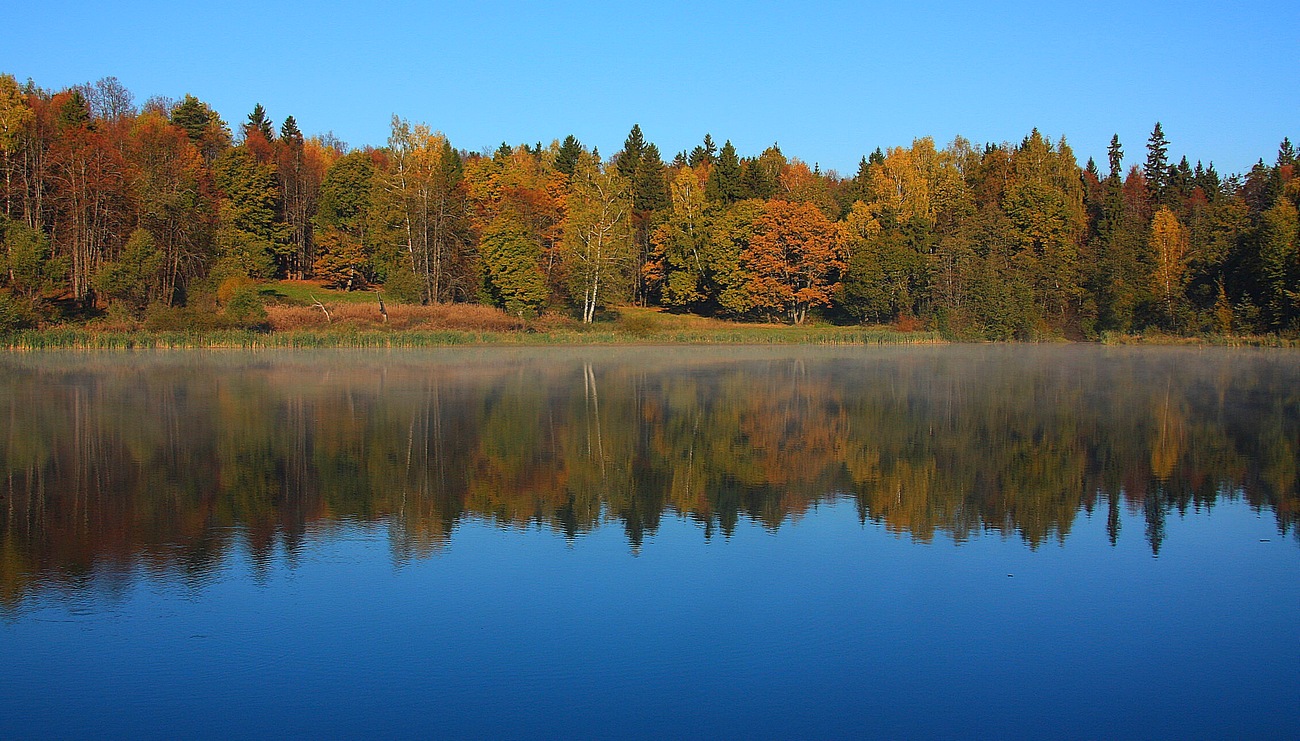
column 1159, row 338
column 300, row 314
column 82, row 339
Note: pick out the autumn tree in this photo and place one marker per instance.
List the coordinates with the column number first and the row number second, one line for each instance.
column 16, row 118
column 90, row 196
column 597, row 246
column 678, row 269
column 794, row 261
column 1169, row 248
column 423, row 183
column 799, row 184
column 727, row 247
column 341, row 222
column 528, row 188
column 172, row 200
column 108, row 100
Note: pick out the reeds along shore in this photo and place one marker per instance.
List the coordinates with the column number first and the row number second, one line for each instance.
column 352, row 337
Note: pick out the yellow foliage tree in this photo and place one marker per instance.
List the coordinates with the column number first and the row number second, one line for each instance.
column 1169, row 247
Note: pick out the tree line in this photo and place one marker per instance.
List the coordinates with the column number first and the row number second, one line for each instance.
column 162, row 210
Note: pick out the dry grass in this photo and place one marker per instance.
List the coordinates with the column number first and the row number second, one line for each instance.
column 458, row 317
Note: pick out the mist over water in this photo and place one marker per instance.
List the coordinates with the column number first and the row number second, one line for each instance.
column 771, row 541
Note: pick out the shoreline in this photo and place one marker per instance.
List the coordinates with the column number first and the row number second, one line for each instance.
column 81, row 339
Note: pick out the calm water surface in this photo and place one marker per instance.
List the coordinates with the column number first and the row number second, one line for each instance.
column 994, row 542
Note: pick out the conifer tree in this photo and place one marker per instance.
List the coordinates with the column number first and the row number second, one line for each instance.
column 289, row 131
column 1285, row 153
column 650, row 183
column 192, row 115
column 249, row 237
column 703, row 154
column 567, row 158
column 1115, row 154
column 203, row 126
column 1156, row 169
column 724, row 184
column 633, row 150
column 257, row 121
column 755, row 183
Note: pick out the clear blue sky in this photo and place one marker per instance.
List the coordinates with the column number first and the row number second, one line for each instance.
column 829, row 82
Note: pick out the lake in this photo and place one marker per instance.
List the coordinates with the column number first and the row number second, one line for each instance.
column 657, row 542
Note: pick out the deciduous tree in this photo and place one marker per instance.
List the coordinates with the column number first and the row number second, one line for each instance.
column 794, row 261
column 1169, row 246
column 597, row 237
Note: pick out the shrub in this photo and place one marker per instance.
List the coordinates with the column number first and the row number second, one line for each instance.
column 13, row 315
column 245, row 309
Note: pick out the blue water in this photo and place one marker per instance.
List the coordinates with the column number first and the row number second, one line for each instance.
column 825, row 628
column 347, row 594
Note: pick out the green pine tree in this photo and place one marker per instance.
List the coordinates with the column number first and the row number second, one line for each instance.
column 629, row 161
column 289, row 131
column 650, row 183
column 1115, row 154
column 249, row 238
column 1156, row 169
column 566, row 159
column 257, row 121
column 755, row 182
column 724, row 184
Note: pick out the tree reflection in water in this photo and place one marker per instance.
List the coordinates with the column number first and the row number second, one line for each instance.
column 169, row 460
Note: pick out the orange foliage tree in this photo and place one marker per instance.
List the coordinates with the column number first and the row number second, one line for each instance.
column 793, row 262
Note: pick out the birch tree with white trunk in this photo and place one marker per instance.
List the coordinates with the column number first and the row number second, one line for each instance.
column 597, row 244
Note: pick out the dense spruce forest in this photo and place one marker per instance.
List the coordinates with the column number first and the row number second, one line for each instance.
column 165, row 215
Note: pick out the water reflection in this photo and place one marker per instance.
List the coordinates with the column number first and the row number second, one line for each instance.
column 164, row 462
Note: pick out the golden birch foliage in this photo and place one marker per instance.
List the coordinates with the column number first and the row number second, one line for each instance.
column 597, row 243
column 918, row 183
column 678, row 258
column 1169, row 247
column 16, row 117
column 897, row 186
column 424, row 181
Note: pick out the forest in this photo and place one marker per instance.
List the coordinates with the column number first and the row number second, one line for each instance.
column 162, row 215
